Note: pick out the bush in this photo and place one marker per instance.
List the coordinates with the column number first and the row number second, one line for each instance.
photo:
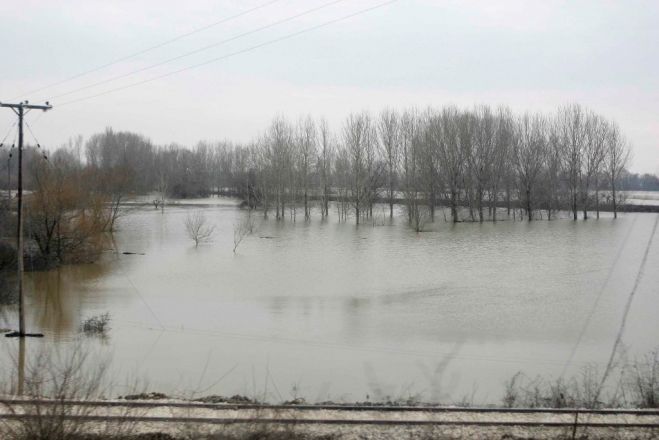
column 96, row 325
column 643, row 381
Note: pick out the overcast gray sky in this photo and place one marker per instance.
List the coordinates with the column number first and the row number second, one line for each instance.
column 530, row 55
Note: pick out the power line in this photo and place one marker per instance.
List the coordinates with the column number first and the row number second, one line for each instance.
column 202, row 49
column 134, row 287
column 148, row 49
column 43, row 153
column 628, row 305
column 38, row 118
column 239, row 52
column 32, row 133
column 598, row 297
column 11, row 128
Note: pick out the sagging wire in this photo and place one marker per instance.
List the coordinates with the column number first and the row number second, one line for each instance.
column 598, row 297
column 621, row 330
column 2, row 143
column 43, row 152
column 13, row 145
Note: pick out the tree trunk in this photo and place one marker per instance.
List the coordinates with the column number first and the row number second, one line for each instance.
column 431, row 206
column 306, row 205
column 597, row 200
column 391, row 193
column 615, row 207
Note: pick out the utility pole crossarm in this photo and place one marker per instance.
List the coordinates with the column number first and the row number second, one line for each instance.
column 27, row 106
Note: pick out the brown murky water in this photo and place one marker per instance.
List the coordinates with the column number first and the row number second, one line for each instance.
column 327, row 310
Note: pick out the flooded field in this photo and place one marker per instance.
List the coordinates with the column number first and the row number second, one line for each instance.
column 330, row 311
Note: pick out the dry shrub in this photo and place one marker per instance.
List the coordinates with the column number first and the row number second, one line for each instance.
column 643, row 381
column 637, row 387
column 44, row 385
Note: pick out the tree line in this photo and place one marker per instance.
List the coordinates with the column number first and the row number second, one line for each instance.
column 472, row 161
column 478, row 163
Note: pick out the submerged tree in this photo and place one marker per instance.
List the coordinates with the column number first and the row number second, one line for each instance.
column 572, row 122
column 617, row 157
column 389, row 136
column 242, row 228
column 529, row 153
column 325, row 163
column 197, row 228
column 359, row 142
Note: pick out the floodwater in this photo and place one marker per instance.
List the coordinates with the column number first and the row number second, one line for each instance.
column 330, row 311
column 642, row 197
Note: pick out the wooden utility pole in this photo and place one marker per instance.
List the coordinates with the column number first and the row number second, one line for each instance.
column 19, row 109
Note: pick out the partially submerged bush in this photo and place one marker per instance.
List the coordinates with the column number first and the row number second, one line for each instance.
column 197, row 229
column 96, row 325
column 64, row 217
column 242, row 228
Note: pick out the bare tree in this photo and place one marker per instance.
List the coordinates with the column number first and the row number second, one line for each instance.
column 594, row 154
column 242, row 228
column 161, row 183
column 617, row 157
column 279, row 154
column 343, row 181
column 501, row 156
column 588, row 161
column 197, row 229
column 358, row 138
column 466, row 127
column 482, row 154
column 572, row 123
column 389, row 134
column 325, row 157
column 410, row 150
column 264, row 175
column 428, row 163
column 552, row 167
column 529, row 155
column 446, row 135
column 306, row 152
